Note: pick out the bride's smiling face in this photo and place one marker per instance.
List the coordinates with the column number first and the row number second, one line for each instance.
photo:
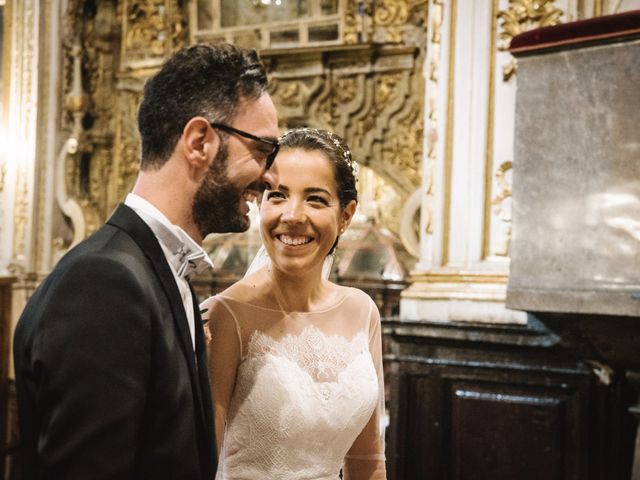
column 301, row 218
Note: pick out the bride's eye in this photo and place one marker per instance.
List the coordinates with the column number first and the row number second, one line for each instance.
column 274, row 195
column 318, row 199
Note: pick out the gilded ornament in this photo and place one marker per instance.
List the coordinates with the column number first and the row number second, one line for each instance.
column 145, row 27
column 501, row 207
column 345, row 91
column 523, row 15
column 386, row 89
column 288, row 93
column 509, row 70
column 356, row 18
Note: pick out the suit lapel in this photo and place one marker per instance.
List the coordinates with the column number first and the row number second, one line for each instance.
column 126, row 219
column 207, row 404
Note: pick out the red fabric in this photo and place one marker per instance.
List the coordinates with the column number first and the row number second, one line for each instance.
column 582, row 31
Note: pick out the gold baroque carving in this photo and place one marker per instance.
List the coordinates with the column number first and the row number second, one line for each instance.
column 127, row 150
column 392, row 19
column 501, row 208
column 145, row 27
column 384, row 21
column 391, row 14
column 289, row 93
column 356, row 27
column 386, row 90
column 402, row 151
column 523, row 15
column 152, row 29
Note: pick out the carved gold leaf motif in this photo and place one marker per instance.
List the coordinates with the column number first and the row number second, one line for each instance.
column 523, row 15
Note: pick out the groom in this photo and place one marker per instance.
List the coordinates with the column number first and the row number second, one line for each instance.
column 109, row 352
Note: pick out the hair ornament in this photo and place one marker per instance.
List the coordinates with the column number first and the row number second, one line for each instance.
column 340, row 145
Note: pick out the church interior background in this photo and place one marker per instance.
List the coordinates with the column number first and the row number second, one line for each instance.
column 426, row 94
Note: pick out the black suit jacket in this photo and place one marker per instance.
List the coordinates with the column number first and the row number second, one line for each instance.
column 108, row 385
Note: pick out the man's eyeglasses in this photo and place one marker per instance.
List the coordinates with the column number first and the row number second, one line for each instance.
column 274, row 143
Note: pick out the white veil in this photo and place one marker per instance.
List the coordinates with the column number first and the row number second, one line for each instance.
column 262, row 259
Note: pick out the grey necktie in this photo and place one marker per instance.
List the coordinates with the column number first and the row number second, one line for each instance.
column 184, row 260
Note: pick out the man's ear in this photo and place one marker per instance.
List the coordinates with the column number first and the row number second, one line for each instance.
column 347, row 215
column 200, row 142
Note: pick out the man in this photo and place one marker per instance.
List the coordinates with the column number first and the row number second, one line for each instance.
column 109, row 352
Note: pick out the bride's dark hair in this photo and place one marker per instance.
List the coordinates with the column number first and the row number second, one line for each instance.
column 336, row 151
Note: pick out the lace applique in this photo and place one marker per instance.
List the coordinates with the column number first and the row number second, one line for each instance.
column 322, row 356
column 298, row 405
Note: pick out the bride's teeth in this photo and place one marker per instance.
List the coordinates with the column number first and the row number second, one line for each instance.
column 286, row 239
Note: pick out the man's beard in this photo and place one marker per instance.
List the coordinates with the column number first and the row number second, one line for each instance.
column 216, row 204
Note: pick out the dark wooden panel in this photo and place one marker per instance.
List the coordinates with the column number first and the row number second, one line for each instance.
column 502, row 432
column 470, row 402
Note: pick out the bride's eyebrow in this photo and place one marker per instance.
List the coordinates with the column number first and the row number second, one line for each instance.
column 307, row 191
column 317, row 190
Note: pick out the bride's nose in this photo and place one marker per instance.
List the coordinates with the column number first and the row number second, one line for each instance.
column 294, row 213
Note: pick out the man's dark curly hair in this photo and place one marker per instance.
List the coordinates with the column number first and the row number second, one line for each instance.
column 201, row 80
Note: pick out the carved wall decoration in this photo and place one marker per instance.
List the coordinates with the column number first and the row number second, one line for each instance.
column 356, row 26
column 501, row 204
column 435, row 39
column 395, row 20
column 520, row 16
column 384, row 21
column 523, row 15
column 151, row 30
column 127, row 150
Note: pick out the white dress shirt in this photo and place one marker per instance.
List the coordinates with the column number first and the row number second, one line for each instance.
column 143, row 208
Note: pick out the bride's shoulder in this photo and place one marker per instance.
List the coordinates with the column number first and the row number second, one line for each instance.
column 248, row 290
column 352, row 295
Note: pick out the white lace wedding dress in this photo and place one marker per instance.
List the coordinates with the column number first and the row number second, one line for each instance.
column 308, row 393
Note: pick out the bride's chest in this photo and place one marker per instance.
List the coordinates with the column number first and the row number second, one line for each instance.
column 308, row 376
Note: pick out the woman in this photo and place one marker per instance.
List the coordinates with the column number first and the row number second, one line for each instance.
column 295, row 360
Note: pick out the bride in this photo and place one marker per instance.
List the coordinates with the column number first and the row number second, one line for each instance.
column 295, row 360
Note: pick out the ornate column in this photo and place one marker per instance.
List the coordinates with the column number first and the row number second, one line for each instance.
column 465, row 228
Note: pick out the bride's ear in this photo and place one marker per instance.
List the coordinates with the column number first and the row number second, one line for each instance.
column 347, row 215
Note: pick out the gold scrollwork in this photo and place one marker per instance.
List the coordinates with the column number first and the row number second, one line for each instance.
column 145, row 23
column 523, row 15
column 288, row 94
column 386, row 89
column 356, row 18
column 391, row 15
column 402, row 150
column 393, row 18
column 152, row 29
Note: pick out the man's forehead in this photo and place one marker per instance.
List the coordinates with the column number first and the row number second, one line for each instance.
column 259, row 115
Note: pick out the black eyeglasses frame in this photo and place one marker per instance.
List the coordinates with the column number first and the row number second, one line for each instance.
column 274, row 143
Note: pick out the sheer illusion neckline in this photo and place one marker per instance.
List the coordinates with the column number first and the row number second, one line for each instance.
column 339, row 302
